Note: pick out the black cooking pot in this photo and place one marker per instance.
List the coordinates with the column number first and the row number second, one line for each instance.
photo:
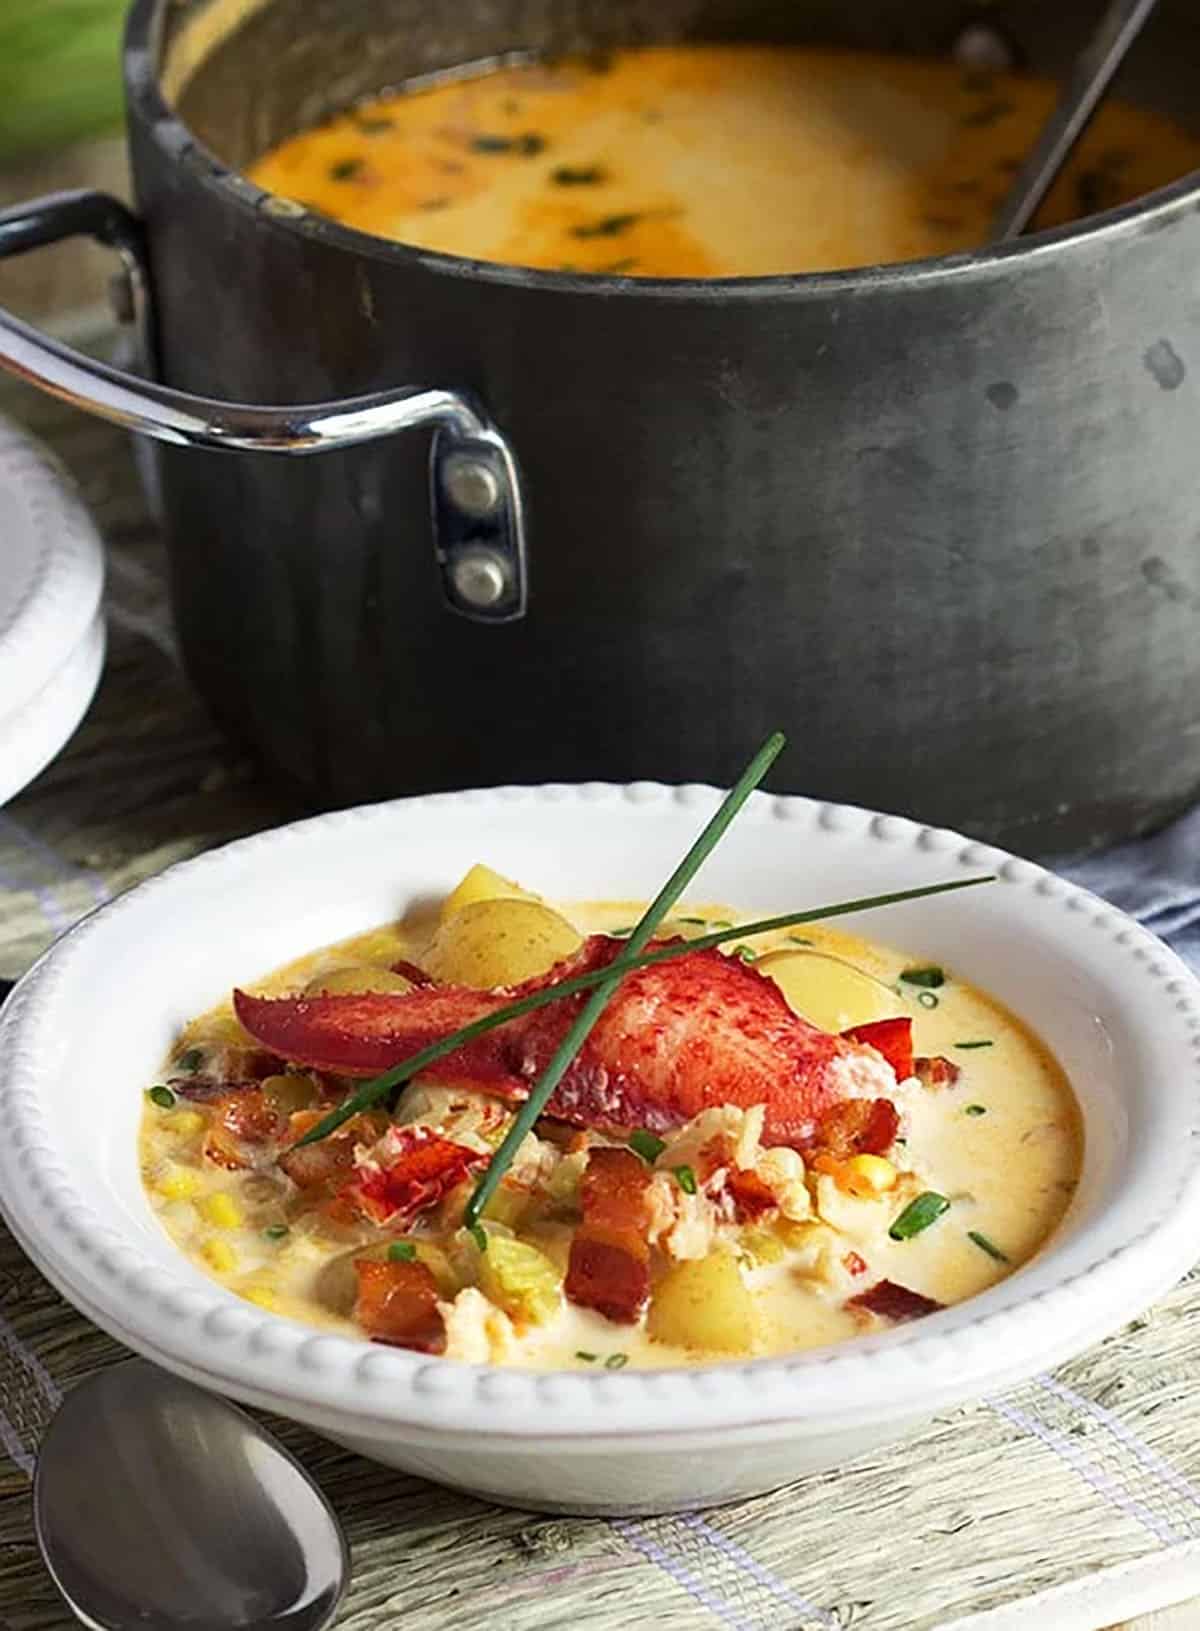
column 938, row 521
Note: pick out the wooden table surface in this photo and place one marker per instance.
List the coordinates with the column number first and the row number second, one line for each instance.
column 75, row 276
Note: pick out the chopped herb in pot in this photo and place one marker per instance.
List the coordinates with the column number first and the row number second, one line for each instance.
column 918, row 1215
column 162, row 1097
column 403, row 1251
column 746, row 953
column 622, row 933
column 927, row 999
column 582, row 175
column 615, row 268
column 799, row 940
column 647, row 1145
column 686, row 1179
column 588, row 1359
column 345, row 169
column 479, row 1235
column 616, row 1361
column 191, row 1060
column 987, row 1043
column 695, row 921
column 975, row 1110
column 276, row 1231
column 527, row 146
column 931, row 977
column 608, row 226
column 985, row 1245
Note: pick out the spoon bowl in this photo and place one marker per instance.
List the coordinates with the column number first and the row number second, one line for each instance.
column 157, row 1504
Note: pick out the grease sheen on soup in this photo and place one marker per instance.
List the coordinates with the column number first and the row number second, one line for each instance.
column 987, row 1124
column 711, row 161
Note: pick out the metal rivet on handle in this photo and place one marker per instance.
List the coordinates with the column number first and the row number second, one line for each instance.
column 480, row 577
column 471, row 486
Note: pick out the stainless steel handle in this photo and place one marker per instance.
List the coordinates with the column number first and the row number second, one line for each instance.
column 475, row 487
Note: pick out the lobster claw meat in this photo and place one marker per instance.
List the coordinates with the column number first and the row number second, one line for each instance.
column 409, row 1171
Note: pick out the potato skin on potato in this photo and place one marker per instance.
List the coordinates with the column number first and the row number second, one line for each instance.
column 704, row 1303
column 499, row 942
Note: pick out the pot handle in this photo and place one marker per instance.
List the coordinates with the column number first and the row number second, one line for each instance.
column 475, row 486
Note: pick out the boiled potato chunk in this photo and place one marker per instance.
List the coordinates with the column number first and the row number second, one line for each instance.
column 356, row 977
column 499, row 942
column 704, row 1303
column 828, row 992
column 481, row 883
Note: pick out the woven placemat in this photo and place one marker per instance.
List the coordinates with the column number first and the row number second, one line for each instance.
column 1070, row 1503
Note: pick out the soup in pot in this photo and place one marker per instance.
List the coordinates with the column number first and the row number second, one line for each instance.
column 710, row 161
column 761, row 1148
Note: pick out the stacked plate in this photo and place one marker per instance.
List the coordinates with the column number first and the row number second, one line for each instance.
column 51, row 621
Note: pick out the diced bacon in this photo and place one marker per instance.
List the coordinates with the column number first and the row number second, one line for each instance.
column 937, row 1072
column 750, row 1195
column 858, row 1127
column 240, row 1122
column 894, row 1302
column 890, row 1037
column 679, row 1037
column 397, row 1303
column 323, row 1165
column 609, row 1264
column 854, row 1264
column 410, row 971
column 412, row 1171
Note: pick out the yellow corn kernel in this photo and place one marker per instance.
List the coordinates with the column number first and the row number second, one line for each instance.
column 178, row 1184
column 263, row 1296
column 866, row 1175
column 187, row 1123
column 222, row 1210
column 219, row 1255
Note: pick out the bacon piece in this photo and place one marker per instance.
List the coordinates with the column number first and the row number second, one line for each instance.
column 890, row 1037
column 750, row 1195
column 411, row 972
column 397, row 1303
column 854, row 1264
column 858, row 1127
column 937, row 1072
column 323, row 1165
column 415, row 1170
column 894, row 1302
column 677, row 1038
column 609, row 1265
column 240, row 1119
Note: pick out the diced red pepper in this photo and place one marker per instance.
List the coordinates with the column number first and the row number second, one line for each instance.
column 937, row 1072
column 421, row 1169
column 890, row 1037
column 609, row 1264
column 858, row 1127
column 894, row 1302
column 397, row 1303
column 854, row 1264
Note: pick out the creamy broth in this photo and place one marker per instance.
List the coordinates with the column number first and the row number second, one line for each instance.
column 711, row 161
column 1001, row 1143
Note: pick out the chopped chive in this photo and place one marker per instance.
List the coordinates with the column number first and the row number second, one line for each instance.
column 345, row 169
column 583, row 175
column 918, row 1215
column 403, row 1251
column 927, row 999
column 608, row 226
column 647, row 1145
column 686, row 1179
column 975, row 1110
column 381, row 1087
column 746, row 953
column 528, row 145
column 966, row 1045
column 276, row 1231
column 721, row 923
column 588, row 1359
column 932, row 976
column 623, row 932
column 191, row 1060
column 162, row 1097
column 799, row 940
column 476, row 1230
column 699, row 922
column 616, row 1361
column 985, row 1245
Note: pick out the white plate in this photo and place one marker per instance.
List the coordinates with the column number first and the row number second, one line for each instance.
column 51, row 628
column 1119, row 1010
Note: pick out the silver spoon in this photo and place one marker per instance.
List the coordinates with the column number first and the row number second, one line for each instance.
column 1093, row 73
column 160, row 1506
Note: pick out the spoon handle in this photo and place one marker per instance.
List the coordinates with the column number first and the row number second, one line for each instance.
column 1091, row 77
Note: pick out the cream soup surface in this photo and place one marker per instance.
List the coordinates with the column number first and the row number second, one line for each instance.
column 993, row 1131
column 704, row 161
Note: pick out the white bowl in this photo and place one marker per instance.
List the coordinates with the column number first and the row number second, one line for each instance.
column 89, row 1026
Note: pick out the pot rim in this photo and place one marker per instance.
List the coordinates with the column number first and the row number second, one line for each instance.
column 145, row 98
